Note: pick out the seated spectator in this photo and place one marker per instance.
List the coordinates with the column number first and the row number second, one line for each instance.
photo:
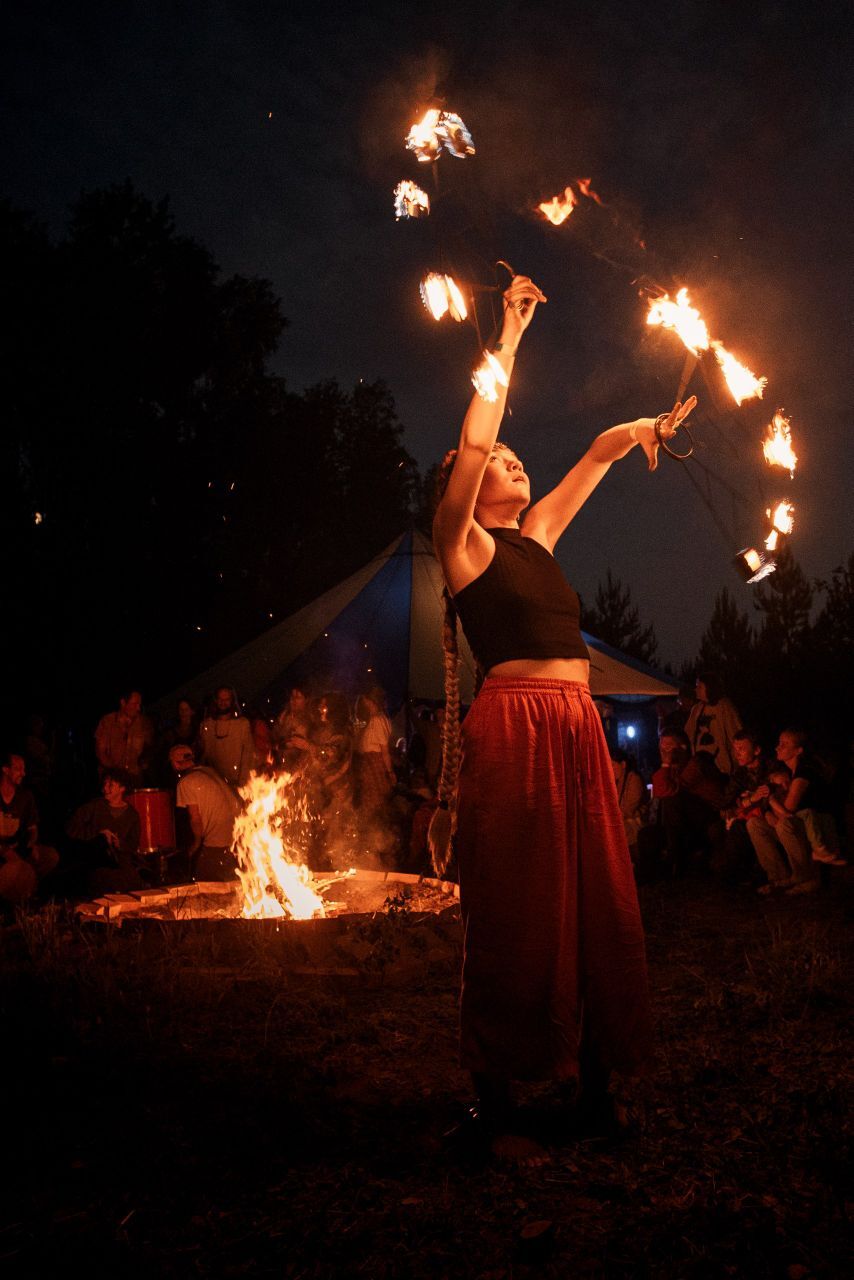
column 124, row 739
column 212, row 807
column 632, row 795
column 108, row 830
column 689, row 791
column 226, row 739
column 712, row 722
column 796, row 798
column 741, row 803
column 290, row 732
column 23, row 861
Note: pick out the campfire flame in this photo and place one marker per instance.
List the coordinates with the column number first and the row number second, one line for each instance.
column 777, row 445
column 558, row 209
column 743, row 384
column 488, row 377
column 442, row 295
column 682, row 318
column 410, row 201
column 275, row 881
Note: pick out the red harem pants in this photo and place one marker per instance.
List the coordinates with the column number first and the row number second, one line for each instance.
column 553, row 938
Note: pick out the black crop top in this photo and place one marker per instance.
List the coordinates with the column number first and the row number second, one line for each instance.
column 521, row 606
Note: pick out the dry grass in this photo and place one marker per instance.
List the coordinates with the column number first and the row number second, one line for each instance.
column 183, row 1110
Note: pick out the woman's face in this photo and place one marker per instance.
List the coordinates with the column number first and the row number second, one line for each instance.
column 297, row 700
column 504, row 482
column 185, row 711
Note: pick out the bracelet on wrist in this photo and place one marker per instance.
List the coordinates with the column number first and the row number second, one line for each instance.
column 505, row 348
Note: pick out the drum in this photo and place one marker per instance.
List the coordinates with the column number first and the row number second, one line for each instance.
column 156, row 811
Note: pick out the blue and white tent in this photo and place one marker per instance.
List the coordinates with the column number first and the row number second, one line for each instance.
column 383, row 625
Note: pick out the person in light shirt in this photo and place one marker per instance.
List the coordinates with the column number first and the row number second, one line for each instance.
column 212, row 807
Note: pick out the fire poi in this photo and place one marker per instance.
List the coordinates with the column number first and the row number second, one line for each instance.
column 435, row 130
column 410, row 201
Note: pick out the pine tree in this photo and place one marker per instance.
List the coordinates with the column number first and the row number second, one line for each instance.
column 785, row 600
column 727, row 647
column 616, row 620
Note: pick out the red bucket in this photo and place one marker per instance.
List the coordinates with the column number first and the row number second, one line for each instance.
column 156, row 819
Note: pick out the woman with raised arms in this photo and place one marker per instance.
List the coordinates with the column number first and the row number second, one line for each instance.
column 554, row 973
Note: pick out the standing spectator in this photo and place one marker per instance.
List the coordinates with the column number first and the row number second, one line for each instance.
column 124, row 738
column 212, row 807
column 332, row 776
column 375, row 777
column 226, row 739
column 108, row 828
column 290, row 732
column 712, row 722
column 632, row 795
column 23, row 861
column 184, row 731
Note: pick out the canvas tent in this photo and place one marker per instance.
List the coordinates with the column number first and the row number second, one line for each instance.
column 382, row 625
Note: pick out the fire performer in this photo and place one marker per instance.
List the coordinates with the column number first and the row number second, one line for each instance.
column 554, row 972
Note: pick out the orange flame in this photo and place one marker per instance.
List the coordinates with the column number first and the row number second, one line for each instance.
column 743, row 384
column 488, row 377
column 783, row 518
column 442, row 295
column 777, row 445
column 586, row 190
column 410, row 201
column 682, row 318
column 423, row 138
column 558, row 209
column 275, row 881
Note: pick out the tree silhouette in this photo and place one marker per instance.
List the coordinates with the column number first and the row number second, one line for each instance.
column 727, row 647
column 614, row 619
column 785, row 600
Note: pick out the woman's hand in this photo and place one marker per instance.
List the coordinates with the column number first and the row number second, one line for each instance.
column 520, row 303
column 645, row 429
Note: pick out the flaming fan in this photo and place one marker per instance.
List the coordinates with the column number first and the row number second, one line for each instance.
column 410, row 201
column 441, row 296
column 488, row 377
column 438, row 129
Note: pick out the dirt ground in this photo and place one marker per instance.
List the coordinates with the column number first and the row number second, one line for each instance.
column 176, row 1108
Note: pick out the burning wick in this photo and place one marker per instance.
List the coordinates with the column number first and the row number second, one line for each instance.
column 488, row 377
column 558, row 209
column 743, row 384
column 782, row 521
column 410, row 201
column 754, row 565
column 777, row 445
column 686, row 321
column 441, row 295
column 437, row 129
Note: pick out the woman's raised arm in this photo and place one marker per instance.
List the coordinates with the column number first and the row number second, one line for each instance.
column 454, row 520
column 549, row 517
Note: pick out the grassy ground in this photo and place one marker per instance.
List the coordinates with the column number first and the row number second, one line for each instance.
column 169, row 1113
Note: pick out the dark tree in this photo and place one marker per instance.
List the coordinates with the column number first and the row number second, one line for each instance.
column 785, row 600
column 614, row 619
column 727, row 647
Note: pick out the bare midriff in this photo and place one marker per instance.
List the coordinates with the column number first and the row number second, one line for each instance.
column 544, row 669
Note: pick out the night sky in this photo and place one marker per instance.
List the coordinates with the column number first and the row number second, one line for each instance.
column 718, row 135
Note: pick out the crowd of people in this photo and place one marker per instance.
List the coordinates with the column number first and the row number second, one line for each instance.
column 359, row 792
column 719, row 803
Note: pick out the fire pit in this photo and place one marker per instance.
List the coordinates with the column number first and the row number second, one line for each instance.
column 383, row 924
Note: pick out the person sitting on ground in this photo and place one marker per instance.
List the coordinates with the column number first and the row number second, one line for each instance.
column 23, row 861
column 291, row 731
column 632, row 795
column 735, row 856
column 712, row 722
column 226, row 739
column 212, row 807
column 124, row 738
column 798, row 817
column 690, row 794
column 108, row 829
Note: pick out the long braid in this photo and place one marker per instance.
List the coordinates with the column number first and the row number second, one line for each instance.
column 444, row 821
